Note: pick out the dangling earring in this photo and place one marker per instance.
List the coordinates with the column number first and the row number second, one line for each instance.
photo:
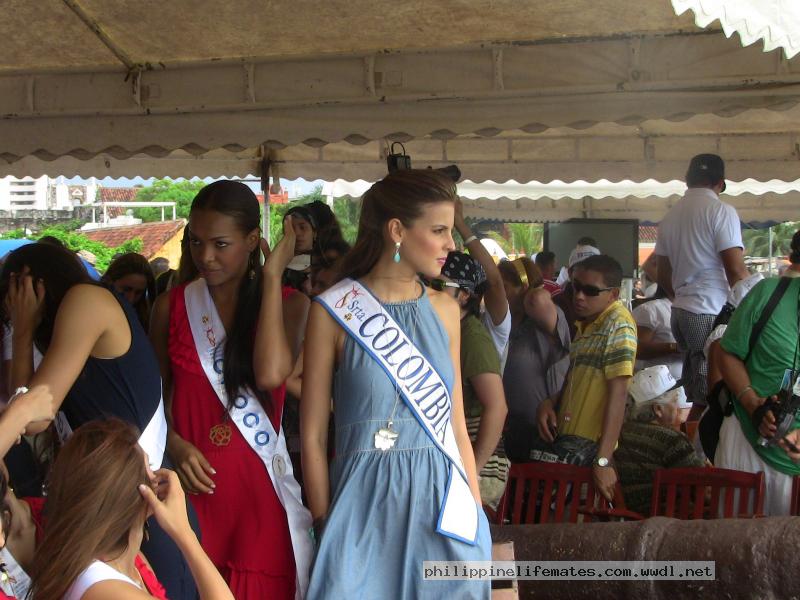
column 397, row 252
column 251, row 273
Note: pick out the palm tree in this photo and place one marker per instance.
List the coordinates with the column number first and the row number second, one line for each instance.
column 526, row 238
column 756, row 241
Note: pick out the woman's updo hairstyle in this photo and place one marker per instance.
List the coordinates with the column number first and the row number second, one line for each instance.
column 794, row 255
column 400, row 195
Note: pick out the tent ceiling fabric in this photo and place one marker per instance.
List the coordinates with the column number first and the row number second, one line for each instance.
column 563, row 89
column 53, row 35
column 775, row 22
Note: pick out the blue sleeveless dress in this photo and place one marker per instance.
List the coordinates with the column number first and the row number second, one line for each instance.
column 381, row 525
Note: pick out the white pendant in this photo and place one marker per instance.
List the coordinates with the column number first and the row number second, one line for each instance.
column 386, row 437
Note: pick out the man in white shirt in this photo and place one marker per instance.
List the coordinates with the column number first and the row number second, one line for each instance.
column 700, row 256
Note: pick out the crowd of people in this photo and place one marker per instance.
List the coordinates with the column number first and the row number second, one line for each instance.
column 313, row 420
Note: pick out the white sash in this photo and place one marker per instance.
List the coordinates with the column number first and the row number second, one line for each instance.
column 421, row 387
column 253, row 423
column 152, row 440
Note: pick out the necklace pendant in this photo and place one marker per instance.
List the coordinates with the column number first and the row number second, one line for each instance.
column 386, row 437
column 220, row 434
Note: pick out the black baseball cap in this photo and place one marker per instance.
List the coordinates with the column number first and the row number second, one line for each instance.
column 706, row 169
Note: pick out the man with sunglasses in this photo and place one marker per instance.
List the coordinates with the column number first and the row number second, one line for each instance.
column 700, row 257
column 602, row 355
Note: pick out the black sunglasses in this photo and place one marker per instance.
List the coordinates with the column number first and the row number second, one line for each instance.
column 440, row 285
column 589, row 290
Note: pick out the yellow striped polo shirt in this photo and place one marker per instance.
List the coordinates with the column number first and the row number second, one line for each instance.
column 602, row 350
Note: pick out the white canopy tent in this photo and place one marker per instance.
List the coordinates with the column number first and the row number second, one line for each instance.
column 758, row 203
column 533, row 90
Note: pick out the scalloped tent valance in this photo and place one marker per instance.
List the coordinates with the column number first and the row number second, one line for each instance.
column 757, row 203
column 776, row 23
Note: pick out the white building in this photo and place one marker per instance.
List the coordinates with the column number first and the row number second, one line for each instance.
column 44, row 193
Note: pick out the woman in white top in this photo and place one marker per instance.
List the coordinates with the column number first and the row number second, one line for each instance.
column 100, row 494
column 657, row 345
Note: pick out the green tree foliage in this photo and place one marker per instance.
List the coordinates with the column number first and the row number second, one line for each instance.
column 756, row 241
column 76, row 241
column 346, row 211
column 166, row 190
column 14, row 234
column 522, row 238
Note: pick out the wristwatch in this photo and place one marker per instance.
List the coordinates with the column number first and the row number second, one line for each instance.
column 601, row 461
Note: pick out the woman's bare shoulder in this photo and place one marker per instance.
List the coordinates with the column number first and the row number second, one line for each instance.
column 446, row 307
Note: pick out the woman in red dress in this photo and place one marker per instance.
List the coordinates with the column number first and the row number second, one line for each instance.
column 244, row 525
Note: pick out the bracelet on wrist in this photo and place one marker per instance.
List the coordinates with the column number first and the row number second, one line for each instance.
column 470, row 239
column 741, row 394
column 17, row 393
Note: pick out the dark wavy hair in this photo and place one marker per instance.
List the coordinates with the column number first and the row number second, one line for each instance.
column 237, row 201
column 59, row 268
column 794, row 254
column 400, row 195
column 134, row 264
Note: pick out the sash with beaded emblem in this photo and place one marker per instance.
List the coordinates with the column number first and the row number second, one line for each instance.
column 423, row 391
column 253, row 423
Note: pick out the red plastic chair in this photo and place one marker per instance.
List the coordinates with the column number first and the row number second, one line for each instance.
column 556, row 493
column 707, row 493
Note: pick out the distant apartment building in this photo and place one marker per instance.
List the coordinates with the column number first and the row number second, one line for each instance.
column 44, row 194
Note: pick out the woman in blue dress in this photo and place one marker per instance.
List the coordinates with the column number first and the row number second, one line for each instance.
column 377, row 509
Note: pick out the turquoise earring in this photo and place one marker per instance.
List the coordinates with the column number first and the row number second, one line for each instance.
column 397, row 252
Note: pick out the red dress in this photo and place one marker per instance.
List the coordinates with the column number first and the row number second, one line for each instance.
column 244, row 529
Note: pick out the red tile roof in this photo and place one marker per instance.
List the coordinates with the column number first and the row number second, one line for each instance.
column 121, row 194
column 648, row 234
column 153, row 235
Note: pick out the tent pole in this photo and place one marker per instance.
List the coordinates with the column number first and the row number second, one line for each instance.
column 770, row 251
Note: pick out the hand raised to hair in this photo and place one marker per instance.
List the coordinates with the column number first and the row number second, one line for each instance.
column 25, row 301
column 283, row 252
column 168, row 503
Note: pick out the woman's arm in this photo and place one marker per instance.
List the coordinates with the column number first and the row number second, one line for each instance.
column 272, row 357
column 25, row 303
column 194, row 470
column 294, row 384
column 489, row 390
column 647, row 348
column 32, row 408
column 539, row 306
column 295, row 319
column 319, row 357
column 88, row 320
column 495, row 296
column 450, row 315
column 169, row 509
column 737, row 379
